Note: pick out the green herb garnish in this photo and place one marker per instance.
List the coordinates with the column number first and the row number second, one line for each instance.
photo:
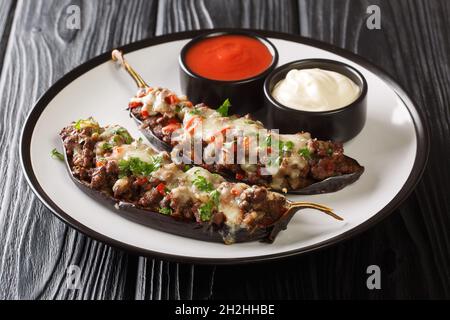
column 207, row 208
column 267, row 141
column 286, row 146
column 202, row 184
column 206, row 211
column 166, row 211
column 330, row 151
column 274, row 161
column 138, row 167
column 215, row 196
column 122, row 132
column 86, row 123
column 106, row 146
column 57, row 155
column 195, row 112
column 305, row 153
column 223, row 109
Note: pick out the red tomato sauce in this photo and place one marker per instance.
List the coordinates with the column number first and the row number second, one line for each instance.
column 228, row 57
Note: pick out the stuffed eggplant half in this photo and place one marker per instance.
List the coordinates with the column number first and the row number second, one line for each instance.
column 294, row 163
column 147, row 187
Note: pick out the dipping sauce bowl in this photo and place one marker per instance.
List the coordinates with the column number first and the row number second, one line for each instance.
column 227, row 65
column 339, row 124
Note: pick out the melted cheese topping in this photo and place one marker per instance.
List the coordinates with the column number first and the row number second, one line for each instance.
column 214, row 127
column 134, row 150
column 181, row 184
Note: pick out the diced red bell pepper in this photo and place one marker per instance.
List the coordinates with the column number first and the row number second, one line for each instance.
column 100, row 164
column 161, row 188
column 171, row 127
column 141, row 181
column 235, row 191
column 135, row 104
column 173, row 120
column 239, row 176
column 172, row 99
column 192, row 124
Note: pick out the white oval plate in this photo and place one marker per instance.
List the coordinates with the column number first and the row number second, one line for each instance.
column 393, row 147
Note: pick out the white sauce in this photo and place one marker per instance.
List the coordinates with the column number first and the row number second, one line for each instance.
column 315, row 90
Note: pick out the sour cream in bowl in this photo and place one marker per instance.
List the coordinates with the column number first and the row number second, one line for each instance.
column 324, row 97
column 315, row 90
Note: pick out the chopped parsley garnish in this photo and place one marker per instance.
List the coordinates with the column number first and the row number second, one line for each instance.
column 215, row 195
column 205, row 211
column 286, row 146
column 274, row 161
column 330, row 151
column 166, row 211
column 202, row 184
column 207, row 208
column 223, row 109
column 267, row 141
column 305, row 153
column 86, row 123
column 177, row 108
column 122, row 132
column 107, row 146
column 57, row 155
column 195, row 112
column 138, row 167
column 283, row 146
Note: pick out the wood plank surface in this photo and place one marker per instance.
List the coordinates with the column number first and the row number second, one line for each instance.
column 412, row 46
column 7, row 8
column 36, row 247
column 412, row 246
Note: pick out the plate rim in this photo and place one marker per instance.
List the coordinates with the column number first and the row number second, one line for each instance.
column 419, row 165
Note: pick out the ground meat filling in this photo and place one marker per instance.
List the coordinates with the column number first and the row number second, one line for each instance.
column 257, row 199
column 329, row 160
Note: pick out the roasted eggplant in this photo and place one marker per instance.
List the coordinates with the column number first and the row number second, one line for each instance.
column 147, row 187
column 294, row 163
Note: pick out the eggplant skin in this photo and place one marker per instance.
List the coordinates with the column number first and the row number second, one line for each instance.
column 157, row 143
column 331, row 184
column 190, row 229
column 328, row 185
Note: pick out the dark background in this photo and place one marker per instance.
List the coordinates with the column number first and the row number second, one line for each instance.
column 411, row 246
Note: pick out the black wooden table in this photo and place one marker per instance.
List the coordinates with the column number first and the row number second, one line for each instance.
column 411, row 246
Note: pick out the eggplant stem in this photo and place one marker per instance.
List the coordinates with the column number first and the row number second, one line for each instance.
column 117, row 55
column 310, row 205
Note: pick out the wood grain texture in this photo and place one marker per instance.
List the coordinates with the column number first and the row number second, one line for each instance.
column 412, row 246
column 36, row 247
column 412, row 46
column 182, row 15
column 7, row 8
